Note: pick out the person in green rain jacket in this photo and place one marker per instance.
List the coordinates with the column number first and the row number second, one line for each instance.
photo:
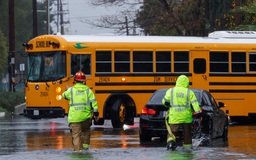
column 179, row 100
column 82, row 107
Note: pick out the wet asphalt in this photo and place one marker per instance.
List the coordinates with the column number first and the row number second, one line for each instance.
column 46, row 139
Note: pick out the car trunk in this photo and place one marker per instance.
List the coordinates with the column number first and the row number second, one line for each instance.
column 160, row 112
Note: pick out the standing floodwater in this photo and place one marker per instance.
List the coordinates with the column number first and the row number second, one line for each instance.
column 49, row 139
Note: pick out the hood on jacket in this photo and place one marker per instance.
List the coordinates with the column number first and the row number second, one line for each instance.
column 182, row 81
column 80, row 86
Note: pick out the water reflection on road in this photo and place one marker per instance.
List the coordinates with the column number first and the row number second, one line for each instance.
column 23, row 138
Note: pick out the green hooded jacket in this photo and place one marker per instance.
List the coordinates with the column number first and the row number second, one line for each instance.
column 82, row 102
column 180, row 99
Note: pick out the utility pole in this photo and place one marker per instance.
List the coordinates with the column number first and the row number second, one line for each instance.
column 48, row 16
column 58, row 13
column 35, row 32
column 11, row 55
column 61, row 18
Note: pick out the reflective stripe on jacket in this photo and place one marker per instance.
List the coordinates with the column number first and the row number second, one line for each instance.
column 180, row 99
column 81, row 103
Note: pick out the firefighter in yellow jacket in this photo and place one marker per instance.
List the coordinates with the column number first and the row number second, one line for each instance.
column 179, row 100
column 82, row 107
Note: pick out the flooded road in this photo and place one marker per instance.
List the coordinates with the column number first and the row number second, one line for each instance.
column 50, row 139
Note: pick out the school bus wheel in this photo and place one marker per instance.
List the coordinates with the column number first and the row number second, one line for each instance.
column 118, row 114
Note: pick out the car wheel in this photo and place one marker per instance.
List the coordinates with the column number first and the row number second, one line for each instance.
column 145, row 138
column 118, row 114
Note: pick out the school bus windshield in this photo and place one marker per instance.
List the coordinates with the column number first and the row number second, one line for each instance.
column 46, row 66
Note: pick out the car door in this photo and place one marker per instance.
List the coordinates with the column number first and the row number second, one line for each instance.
column 218, row 117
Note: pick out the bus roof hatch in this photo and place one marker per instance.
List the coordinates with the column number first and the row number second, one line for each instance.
column 233, row 34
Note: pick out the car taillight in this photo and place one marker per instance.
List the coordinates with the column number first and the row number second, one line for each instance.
column 145, row 110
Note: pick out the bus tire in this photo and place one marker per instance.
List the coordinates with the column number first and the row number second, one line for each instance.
column 118, row 114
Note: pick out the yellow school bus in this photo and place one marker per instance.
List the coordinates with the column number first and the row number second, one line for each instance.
column 124, row 71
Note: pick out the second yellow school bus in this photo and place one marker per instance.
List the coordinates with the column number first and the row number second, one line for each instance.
column 124, row 71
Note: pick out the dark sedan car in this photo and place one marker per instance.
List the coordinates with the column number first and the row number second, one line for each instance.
column 213, row 121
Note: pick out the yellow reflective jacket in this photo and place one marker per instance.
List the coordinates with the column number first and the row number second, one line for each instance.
column 82, row 102
column 180, row 99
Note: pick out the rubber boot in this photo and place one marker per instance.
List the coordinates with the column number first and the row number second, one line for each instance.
column 171, row 145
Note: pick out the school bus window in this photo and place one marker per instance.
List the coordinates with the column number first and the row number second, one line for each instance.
column 163, row 61
column 238, row 61
column 142, row 61
column 103, row 61
column 61, row 63
column 181, row 61
column 219, row 62
column 252, row 61
column 80, row 62
column 49, row 65
column 34, row 65
column 48, row 61
column 75, row 59
column 46, row 66
column 86, row 63
column 122, row 61
column 199, row 66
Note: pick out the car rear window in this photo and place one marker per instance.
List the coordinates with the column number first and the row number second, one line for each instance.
column 198, row 97
column 157, row 97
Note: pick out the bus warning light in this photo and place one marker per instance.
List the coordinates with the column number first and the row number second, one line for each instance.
column 55, row 44
column 28, row 46
column 58, row 89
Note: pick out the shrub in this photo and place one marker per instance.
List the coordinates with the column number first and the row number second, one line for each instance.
column 11, row 99
column 2, row 109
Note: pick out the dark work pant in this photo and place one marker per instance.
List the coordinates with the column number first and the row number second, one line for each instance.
column 187, row 132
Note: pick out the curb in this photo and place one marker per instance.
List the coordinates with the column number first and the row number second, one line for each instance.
column 19, row 109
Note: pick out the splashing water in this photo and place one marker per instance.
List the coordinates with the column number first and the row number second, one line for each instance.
column 197, row 142
column 200, row 140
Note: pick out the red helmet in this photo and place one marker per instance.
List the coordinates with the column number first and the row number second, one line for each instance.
column 80, row 76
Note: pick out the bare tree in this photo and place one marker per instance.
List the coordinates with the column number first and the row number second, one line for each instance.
column 123, row 21
column 132, row 3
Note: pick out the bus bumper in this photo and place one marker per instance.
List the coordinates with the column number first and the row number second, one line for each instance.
column 36, row 113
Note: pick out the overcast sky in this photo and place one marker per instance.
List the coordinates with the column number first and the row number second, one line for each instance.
column 82, row 10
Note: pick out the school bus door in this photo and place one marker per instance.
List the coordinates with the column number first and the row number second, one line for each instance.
column 200, row 69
